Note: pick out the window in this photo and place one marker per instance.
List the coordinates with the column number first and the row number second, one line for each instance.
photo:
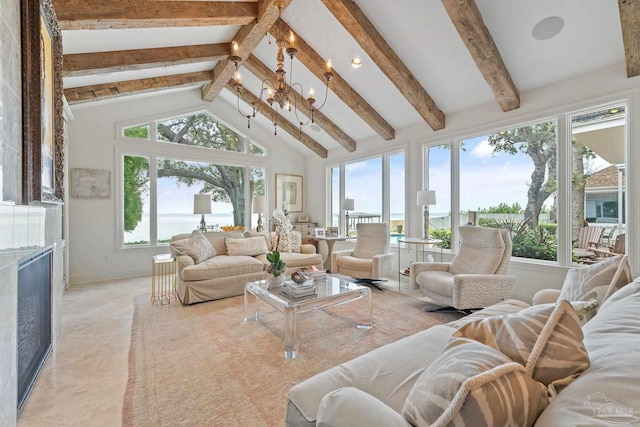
column 377, row 187
column 158, row 191
column 138, row 132
column 598, row 184
column 360, row 178
column 439, row 180
column 136, row 200
column 397, row 196
column 508, row 180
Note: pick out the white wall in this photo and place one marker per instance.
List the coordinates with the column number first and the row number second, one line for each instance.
column 93, row 235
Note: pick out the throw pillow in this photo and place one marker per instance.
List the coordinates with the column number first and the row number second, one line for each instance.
column 546, row 339
column 285, row 240
column 250, row 246
column 197, row 247
column 599, row 280
column 471, row 384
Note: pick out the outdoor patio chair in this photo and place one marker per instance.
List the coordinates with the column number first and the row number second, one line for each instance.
column 604, row 252
column 588, row 238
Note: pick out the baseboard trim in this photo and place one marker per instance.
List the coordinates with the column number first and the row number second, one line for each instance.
column 102, row 277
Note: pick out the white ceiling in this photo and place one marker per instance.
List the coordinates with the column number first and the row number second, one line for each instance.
column 420, row 32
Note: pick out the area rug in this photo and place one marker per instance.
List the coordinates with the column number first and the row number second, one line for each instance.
column 202, row 365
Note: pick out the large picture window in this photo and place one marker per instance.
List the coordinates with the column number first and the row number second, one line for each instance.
column 158, row 190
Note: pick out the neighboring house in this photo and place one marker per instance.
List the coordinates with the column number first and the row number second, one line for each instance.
column 602, row 191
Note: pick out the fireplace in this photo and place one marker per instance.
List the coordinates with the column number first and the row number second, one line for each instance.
column 34, row 335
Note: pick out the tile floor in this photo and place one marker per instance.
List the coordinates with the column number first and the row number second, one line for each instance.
column 84, row 380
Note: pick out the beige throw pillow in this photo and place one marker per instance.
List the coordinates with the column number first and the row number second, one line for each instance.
column 250, row 246
column 471, row 384
column 599, row 280
column 197, row 247
column 546, row 339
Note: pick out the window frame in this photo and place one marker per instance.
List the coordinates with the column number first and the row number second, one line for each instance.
column 154, row 149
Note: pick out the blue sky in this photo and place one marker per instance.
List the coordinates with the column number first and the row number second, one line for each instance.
column 487, row 178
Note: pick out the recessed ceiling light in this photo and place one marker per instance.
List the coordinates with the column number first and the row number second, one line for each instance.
column 356, row 62
column 314, row 127
column 548, row 28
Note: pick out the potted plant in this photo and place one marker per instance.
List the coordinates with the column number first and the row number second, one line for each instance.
column 277, row 267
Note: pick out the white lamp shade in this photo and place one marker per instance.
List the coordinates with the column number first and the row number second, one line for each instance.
column 347, row 205
column 426, row 197
column 202, row 203
column 259, row 204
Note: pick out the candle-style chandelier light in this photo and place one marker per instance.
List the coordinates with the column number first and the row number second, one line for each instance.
column 281, row 95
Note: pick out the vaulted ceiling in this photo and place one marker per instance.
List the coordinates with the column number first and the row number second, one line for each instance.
column 422, row 59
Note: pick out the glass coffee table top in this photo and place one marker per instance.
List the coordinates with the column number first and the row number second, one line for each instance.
column 330, row 291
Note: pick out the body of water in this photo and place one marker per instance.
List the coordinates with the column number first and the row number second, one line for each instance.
column 172, row 224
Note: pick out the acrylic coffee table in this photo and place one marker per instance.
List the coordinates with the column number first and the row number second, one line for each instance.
column 331, row 291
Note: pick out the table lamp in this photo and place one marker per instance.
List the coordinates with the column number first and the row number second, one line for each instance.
column 347, row 205
column 426, row 198
column 202, row 206
column 259, row 206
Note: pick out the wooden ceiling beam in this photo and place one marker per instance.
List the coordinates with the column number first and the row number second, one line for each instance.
column 78, row 95
column 117, row 14
column 260, row 70
column 284, row 124
column 247, row 38
column 468, row 21
column 85, row 64
column 630, row 23
column 317, row 65
column 362, row 30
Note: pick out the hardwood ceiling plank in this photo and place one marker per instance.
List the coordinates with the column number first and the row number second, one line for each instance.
column 260, row 70
column 467, row 20
column 363, row 31
column 78, row 95
column 317, row 65
column 247, row 38
column 84, row 64
column 630, row 23
column 283, row 123
column 118, row 14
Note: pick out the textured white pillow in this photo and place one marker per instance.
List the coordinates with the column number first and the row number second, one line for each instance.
column 599, row 280
column 197, row 247
column 472, row 384
column 250, row 246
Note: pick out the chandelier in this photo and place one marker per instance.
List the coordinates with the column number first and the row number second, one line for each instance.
column 279, row 94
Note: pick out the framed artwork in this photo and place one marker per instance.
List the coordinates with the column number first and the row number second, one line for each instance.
column 91, row 183
column 42, row 121
column 318, row 232
column 289, row 192
column 303, row 218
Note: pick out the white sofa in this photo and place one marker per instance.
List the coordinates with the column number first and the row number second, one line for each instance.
column 605, row 393
column 225, row 275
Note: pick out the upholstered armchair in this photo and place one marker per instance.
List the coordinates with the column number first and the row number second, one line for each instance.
column 477, row 277
column 370, row 259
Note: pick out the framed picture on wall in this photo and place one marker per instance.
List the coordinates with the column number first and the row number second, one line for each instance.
column 289, row 192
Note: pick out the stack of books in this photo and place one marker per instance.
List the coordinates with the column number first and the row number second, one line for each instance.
column 314, row 272
column 293, row 290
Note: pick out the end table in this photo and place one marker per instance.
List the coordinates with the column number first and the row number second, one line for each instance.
column 163, row 279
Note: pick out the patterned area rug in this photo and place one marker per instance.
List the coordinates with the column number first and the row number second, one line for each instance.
column 201, row 365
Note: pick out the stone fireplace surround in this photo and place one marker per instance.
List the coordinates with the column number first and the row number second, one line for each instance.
column 25, row 231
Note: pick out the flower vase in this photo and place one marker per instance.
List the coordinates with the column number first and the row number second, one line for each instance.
column 276, row 281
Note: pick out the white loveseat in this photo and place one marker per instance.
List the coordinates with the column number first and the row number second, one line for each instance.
column 239, row 258
column 372, row 389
